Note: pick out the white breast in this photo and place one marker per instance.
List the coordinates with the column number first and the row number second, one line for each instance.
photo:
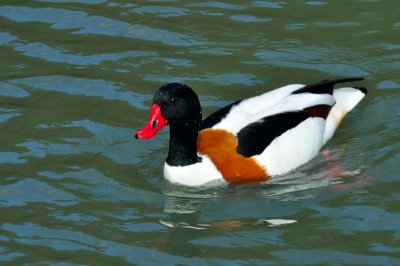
column 194, row 175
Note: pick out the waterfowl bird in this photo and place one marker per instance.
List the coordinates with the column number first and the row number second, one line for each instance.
column 250, row 140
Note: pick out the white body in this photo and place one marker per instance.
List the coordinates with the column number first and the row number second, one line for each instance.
column 290, row 150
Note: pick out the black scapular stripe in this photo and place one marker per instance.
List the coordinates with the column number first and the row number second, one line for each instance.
column 217, row 116
column 255, row 137
column 325, row 86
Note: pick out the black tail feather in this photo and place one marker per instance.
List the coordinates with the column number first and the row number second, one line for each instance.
column 362, row 89
column 325, row 86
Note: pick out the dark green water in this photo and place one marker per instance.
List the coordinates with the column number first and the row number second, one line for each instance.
column 77, row 77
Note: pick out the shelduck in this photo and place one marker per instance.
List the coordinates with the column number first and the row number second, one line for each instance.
column 250, row 140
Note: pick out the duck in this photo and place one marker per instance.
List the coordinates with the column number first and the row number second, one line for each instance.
column 250, row 140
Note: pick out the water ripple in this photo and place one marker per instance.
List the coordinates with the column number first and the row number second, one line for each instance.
column 243, row 239
column 85, row 24
column 319, row 59
column 31, row 234
column 6, row 37
column 88, row 2
column 219, row 5
column 218, row 79
column 268, row 4
column 351, row 219
column 162, row 11
column 88, row 87
column 8, row 255
column 322, row 256
column 249, row 19
column 31, row 190
column 7, row 114
column 50, row 54
column 9, row 90
column 11, row 157
column 91, row 184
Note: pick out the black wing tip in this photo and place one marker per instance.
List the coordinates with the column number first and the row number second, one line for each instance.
column 340, row 80
column 325, row 86
column 362, row 89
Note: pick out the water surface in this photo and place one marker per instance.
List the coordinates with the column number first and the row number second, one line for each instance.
column 77, row 78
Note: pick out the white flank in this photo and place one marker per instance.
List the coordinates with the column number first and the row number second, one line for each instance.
column 194, row 175
column 346, row 100
column 293, row 148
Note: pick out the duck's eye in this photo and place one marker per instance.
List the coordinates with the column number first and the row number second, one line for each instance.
column 174, row 99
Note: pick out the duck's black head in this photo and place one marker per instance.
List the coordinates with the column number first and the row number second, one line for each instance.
column 173, row 104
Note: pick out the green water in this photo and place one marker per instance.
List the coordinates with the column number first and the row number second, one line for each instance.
column 77, row 78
